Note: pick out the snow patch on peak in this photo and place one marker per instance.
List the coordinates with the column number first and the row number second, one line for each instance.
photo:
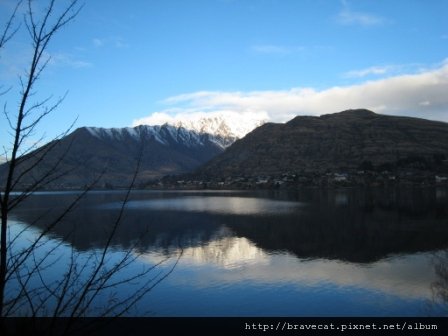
column 100, row 132
column 230, row 125
column 164, row 134
column 221, row 129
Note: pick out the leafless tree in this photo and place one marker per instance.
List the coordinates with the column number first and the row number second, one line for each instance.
column 24, row 288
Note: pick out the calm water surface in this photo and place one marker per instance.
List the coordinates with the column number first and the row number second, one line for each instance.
column 314, row 252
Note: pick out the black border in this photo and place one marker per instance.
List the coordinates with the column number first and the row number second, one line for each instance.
column 226, row 326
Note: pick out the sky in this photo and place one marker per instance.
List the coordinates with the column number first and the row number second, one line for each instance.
column 124, row 63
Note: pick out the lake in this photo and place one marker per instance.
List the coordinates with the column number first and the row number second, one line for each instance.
column 311, row 252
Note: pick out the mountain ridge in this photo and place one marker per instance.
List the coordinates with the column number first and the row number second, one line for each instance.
column 336, row 142
column 162, row 134
column 342, row 142
column 112, row 155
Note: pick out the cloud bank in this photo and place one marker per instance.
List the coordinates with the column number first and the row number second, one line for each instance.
column 422, row 95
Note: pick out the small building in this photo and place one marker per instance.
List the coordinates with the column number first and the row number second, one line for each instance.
column 340, row 177
column 441, row 179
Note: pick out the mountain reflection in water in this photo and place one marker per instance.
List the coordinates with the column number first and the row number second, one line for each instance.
column 382, row 241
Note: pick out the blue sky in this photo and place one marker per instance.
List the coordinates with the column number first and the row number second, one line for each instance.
column 130, row 62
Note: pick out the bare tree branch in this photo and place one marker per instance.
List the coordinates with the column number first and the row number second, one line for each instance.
column 86, row 277
column 9, row 31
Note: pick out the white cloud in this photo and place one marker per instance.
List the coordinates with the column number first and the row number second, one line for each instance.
column 68, row 60
column 421, row 95
column 375, row 70
column 381, row 70
column 349, row 17
column 276, row 49
column 14, row 62
column 97, row 42
column 114, row 41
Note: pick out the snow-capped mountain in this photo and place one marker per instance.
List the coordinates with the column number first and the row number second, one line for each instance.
column 224, row 128
column 171, row 148
column 225, row 125
column 113, row 153
column 165, row 134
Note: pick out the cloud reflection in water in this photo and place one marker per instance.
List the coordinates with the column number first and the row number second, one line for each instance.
column 214, row 204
